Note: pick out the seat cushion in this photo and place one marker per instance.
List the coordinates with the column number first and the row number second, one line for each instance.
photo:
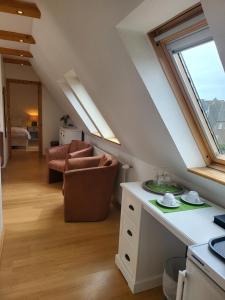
column 58, row 165
column 105, row 161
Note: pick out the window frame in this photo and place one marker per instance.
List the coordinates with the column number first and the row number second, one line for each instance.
column 175, row 81
column 67, row 91
column 70, row 77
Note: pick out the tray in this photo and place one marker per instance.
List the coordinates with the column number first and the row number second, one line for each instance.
column 161, row 189
column 217, row 246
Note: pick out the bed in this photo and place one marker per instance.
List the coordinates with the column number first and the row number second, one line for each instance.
column 20, row 136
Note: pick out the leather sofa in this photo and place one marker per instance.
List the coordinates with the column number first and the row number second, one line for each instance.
column 58, row 156
column 88, row 188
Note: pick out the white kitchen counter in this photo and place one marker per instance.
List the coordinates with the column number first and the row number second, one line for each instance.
column 191, row 227
column 148, row 237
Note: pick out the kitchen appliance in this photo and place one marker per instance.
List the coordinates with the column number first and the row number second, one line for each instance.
column 204, row 277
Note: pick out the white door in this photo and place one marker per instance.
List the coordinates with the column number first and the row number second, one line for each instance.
column 198, row 286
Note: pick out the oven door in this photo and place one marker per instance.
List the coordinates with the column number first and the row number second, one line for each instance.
column 193, row 284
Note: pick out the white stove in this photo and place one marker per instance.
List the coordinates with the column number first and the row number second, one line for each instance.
column 209, row 263
column 204, row 278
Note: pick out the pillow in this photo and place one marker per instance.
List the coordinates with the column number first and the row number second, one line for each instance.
column 81, row 163
column 73, row 164
column 105, row 161
column 73, row 154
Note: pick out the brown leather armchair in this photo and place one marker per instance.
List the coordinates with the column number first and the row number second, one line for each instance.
column 88, row 188
column 57, row 157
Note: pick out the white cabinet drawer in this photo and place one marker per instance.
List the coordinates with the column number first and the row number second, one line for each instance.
column 129, row 231
column 128, row 256
column 131, row 206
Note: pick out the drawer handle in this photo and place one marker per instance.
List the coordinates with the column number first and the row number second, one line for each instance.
column 129, row 232
column 131, row 207
column 127, row 257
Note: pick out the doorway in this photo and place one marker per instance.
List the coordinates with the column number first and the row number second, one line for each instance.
column 24, row 106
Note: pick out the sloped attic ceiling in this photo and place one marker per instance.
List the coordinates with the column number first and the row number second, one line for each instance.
column 82, row 35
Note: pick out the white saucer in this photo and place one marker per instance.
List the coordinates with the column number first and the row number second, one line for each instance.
column 160, row 202
column 184, row 198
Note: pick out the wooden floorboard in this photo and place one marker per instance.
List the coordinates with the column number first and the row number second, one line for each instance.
column 45, row 258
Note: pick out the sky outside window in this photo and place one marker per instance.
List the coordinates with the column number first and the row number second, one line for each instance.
column 206, row 70
column 208, row 77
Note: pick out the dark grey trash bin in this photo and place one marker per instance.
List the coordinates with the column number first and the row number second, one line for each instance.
column 170, row 276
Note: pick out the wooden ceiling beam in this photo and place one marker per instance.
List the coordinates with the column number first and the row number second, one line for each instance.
column 15, row 52
column 21, row 8
column 16, row 37
column 8, row 60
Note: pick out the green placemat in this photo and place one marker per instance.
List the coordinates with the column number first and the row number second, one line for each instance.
column 183, row 207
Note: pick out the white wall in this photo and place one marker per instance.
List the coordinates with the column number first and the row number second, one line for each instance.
column 139, row 169
column 20, row 72
column 82, row 35
column 51, row 119
column 51, row 111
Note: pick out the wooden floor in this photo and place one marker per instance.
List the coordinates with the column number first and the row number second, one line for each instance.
column 45, row 258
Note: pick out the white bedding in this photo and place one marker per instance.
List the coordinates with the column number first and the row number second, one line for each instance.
column 20, row 132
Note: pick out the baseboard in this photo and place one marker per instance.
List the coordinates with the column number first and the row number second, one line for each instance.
column 147, row 284
column 1, row 242
column 138, row 286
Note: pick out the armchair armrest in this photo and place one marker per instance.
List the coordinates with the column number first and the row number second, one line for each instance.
column 59, row 152
column 82, row 163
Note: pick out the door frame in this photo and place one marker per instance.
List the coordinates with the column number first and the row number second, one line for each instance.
column 39, row 91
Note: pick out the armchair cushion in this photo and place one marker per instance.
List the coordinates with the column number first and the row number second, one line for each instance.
column 82, row 163
column 58, row 152
column 58, row 165
column 105, row 161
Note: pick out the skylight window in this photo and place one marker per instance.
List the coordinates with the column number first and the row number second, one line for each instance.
column 79, row 109
column 89, row 106
column 198, row 64
column 191, row 62
column 205, row 73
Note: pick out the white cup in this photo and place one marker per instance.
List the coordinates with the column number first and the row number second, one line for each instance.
column 169, row 199
column 193, row 197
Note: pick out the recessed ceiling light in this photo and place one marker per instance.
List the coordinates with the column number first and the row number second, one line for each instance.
column 21, row 54
column 21, row 41
column 20, row 12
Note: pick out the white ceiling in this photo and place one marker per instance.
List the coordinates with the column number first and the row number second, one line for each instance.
column 14, row 23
